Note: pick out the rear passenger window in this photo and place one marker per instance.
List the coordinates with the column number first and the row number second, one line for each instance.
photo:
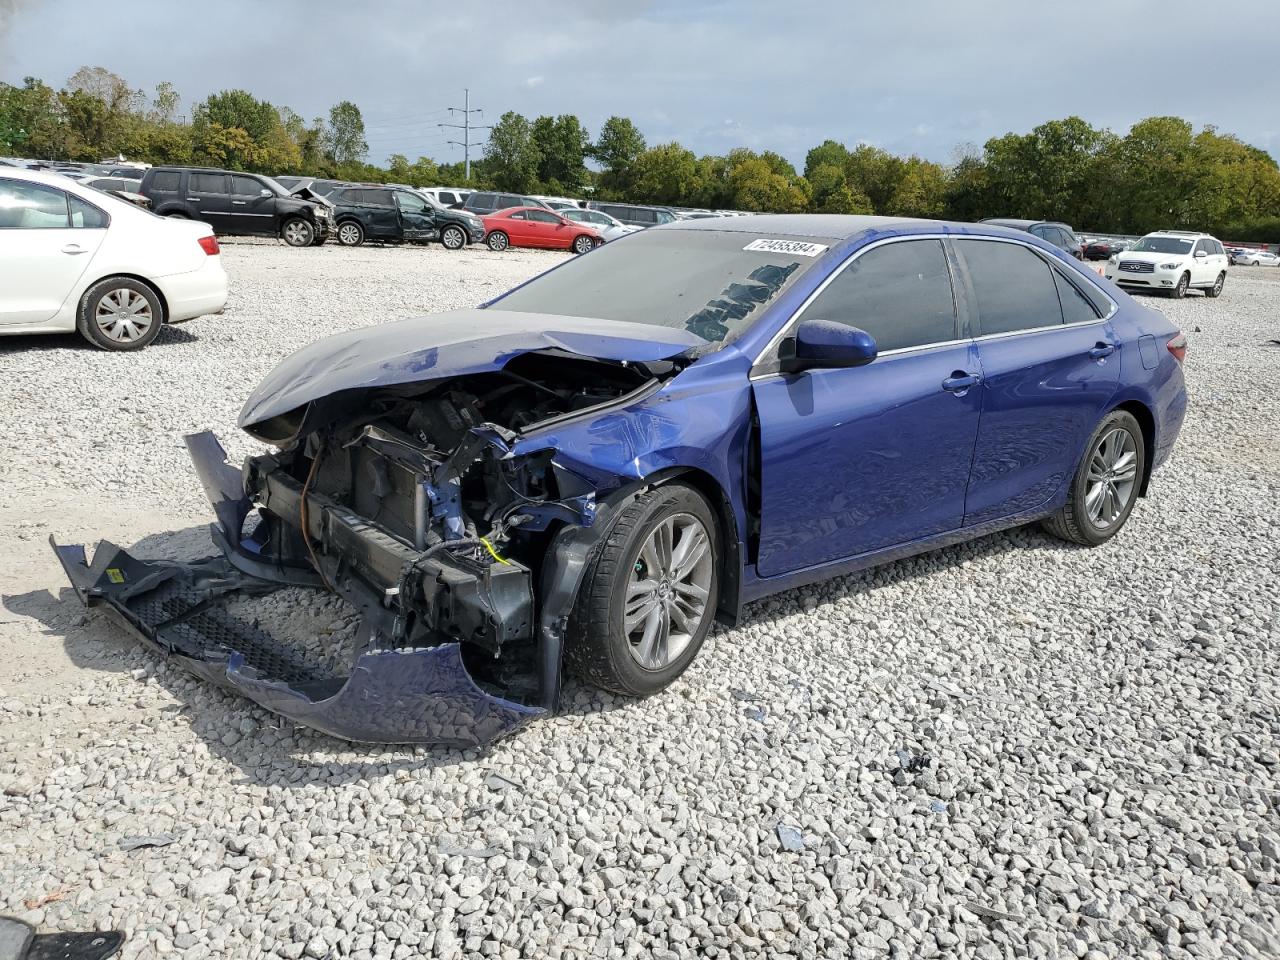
column 1076, row 308
column 85, row 215
column 899, row 293
column 31, row 206
column 208, row 183
column 1014, row 288
column 168, row 181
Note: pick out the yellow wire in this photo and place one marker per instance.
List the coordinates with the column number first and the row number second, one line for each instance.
column 492, row 552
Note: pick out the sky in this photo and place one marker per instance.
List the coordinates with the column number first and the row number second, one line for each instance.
column 921, row 77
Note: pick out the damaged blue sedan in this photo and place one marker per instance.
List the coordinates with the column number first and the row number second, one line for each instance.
column 588, row 471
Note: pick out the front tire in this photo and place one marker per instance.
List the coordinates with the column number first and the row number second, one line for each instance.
column 649, row 596
column 497, row 241
column 297, row 232
column 120, row 313
column 1216, row 289
column 1106, row 483
column 1180, row 291
column 583, row 244
column 453, row 238
column 350, row 233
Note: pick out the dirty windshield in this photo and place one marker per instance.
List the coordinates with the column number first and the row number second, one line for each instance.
column 713, row 284
column 1161, row 245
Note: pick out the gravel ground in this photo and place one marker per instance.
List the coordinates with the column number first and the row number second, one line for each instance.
column 1010, row 748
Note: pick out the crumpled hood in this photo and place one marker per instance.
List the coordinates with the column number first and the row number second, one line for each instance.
column 452, row 344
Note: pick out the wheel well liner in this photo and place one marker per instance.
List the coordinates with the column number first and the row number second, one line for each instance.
column 729, row 606
column 1142, row 413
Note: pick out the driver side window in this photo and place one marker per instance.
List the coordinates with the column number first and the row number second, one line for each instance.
column 900, row 293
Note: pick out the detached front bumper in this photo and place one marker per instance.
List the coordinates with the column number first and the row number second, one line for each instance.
column 399, row 695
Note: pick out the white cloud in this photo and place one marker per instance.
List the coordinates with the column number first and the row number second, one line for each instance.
column 532, row 82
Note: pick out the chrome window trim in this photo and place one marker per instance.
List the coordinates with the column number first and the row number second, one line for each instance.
column 781, row 334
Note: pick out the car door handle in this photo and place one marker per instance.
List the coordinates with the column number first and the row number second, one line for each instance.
column 239, row 203
column 1102, row 349
column 193, row 199
column 960, row 381
column 73, row 249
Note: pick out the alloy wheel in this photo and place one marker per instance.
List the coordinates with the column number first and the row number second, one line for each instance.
column 123, row 314
column 297, row 233
column 668, row 590
column 349, row 234
column 1112, row 480
column 453, row 238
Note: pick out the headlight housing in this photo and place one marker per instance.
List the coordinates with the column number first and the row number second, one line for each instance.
column 1114, row 258
column 1170, row 266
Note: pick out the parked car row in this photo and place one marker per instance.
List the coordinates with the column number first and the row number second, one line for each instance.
column 1245, row 257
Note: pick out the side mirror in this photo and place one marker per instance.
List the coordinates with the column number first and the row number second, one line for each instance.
column 264, row 192
column 1200, row 254
column 822, row 344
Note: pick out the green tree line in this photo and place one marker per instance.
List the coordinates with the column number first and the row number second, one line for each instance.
column 1161, row 173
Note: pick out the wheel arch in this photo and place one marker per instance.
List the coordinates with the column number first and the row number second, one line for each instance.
column 729, row 605
column 149, row 284
column 1147, row 421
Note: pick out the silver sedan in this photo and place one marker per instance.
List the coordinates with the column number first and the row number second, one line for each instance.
column 607, row 226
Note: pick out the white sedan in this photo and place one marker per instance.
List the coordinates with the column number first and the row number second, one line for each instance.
column 607, row 226
column 74, row 258
column 1255, row 258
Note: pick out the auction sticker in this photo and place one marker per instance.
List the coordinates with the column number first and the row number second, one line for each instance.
column 800, row 247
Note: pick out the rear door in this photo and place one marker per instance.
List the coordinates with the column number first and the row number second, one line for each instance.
column 857, row 460
column 1050, row 366
column 381, row 215
column 47, row 240
column 209, row 194
column 249, row 211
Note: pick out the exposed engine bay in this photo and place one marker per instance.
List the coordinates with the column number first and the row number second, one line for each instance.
column 412, row 493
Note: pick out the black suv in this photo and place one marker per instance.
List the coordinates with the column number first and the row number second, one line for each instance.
column 236, row 204
column 395, row 214
column 634, row 215
column 1051, row 231
column 483, row 202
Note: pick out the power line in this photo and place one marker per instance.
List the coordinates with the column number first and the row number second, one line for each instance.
column 466, row 128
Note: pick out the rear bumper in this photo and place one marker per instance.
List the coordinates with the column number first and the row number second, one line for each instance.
column 391, row 694
column 194, row 294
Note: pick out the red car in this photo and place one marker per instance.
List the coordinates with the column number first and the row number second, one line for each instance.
column 537, row 227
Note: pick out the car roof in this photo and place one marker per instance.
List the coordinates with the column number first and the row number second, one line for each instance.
column 830, row 226
column 1018, row 224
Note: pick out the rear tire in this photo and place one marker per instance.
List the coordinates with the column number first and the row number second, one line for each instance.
column 498, row 241
column 1216, row 289
column 350, row 233
column 120, row 313
column 658, row 569
column 1106, row 484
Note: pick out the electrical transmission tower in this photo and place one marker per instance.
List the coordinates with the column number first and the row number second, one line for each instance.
column 466, row 126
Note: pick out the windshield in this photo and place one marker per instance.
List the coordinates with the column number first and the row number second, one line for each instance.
column 1155, row 244
column 713, row 284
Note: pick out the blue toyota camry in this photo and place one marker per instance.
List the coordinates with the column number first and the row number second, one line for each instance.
column 587, row 471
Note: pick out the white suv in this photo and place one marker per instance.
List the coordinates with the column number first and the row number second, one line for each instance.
column 1172, row 261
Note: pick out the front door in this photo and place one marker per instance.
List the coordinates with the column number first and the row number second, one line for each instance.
column 856, row 460
column 548, row 230
column 44, row 248
column 250, row 211
column 417, row 219
column 1050, row 366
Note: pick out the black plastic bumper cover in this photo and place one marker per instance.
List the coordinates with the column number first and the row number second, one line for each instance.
column 391, row 696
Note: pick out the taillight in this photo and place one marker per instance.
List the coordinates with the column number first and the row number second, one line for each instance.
column 210, row 246
column 1178, row 346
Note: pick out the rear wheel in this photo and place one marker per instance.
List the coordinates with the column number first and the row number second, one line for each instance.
column 649, row 596
column 120, row 313
column 453, row 238
column 176, row 215
column 1216, row 289
column 1180, row 290
column 1106, row 483
column 297, row 232
column 497, row 241
column 350, row 233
